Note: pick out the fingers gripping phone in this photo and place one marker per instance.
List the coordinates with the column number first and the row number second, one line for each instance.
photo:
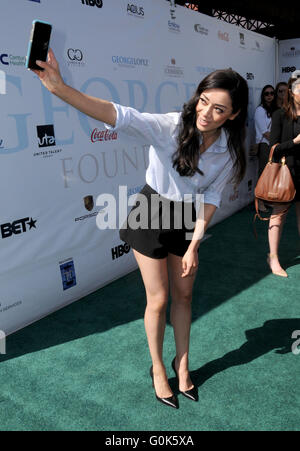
column 38, row 44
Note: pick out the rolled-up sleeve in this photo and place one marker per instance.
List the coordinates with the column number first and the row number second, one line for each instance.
column 213, row 193
column 148, row 128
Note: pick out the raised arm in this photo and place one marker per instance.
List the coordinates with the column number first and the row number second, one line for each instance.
column 99, row 109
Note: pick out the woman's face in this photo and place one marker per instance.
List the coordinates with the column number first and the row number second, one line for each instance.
column 281, row 91
column 214, row 108
column 269, row 95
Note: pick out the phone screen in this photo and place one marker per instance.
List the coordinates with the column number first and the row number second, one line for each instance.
column 39, row 44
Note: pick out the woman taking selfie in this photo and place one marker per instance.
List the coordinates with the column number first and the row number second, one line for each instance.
column 197, row 151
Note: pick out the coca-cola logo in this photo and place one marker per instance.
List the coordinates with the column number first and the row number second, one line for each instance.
column 103, row 135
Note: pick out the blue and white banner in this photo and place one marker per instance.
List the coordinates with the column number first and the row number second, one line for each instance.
column 55, row 161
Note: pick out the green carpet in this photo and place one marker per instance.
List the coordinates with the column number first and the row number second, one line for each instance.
column 86, row 367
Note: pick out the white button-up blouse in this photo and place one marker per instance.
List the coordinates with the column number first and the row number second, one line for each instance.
column 160, row 131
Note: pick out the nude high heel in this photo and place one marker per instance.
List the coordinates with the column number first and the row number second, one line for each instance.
column 282, row 272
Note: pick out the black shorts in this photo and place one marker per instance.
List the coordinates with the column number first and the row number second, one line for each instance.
column 166, row 228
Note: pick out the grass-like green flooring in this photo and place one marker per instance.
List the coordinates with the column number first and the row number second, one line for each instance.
column 86, row 367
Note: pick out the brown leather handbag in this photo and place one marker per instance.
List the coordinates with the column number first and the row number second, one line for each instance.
column 275, row 185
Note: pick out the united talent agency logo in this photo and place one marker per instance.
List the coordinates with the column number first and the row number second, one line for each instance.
column 46, row 138
column 98, row 3
column 17, row 227
column 135, row 10
column 75, row 57
column 103, row 135
column 45, row 135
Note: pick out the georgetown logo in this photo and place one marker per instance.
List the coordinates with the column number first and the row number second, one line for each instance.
column 98, row 3
column 136, row 11
column 17, row 227
column 250, row 76
column 45, row 135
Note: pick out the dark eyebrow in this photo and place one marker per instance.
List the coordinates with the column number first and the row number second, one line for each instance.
column 216, row 104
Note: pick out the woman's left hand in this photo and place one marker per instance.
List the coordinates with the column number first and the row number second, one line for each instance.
column 190, row 263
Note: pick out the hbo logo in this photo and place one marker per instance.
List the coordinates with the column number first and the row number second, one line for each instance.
column 98, row 3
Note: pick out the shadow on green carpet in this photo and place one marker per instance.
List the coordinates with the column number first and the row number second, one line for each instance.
column 231, row 261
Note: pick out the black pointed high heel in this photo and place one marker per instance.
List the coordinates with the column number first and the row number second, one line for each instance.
column 190, row 394
column 172, row 401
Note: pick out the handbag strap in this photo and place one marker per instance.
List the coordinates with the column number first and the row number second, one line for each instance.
column 272, row 152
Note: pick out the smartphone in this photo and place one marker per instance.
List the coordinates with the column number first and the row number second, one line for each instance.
column 38, row 43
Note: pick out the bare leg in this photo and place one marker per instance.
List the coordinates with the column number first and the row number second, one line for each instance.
column 274, row 233
column 181, row 292
column 155, row 277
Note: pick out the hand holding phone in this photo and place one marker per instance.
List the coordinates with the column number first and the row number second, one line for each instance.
column 38, row 44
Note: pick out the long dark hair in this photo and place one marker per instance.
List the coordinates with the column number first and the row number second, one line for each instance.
column 186, row 157
column 288, row 101
column 272, row 106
